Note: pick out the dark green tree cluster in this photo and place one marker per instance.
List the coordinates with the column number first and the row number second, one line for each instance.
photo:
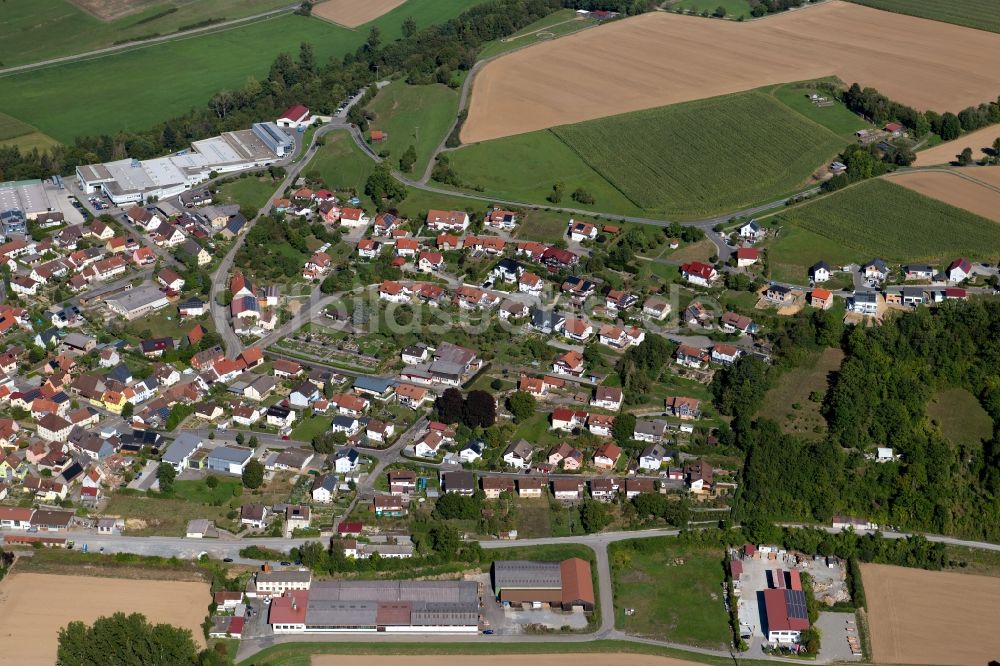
column 476, row 410
column 130, row 640
column 642, row 366
column 879, row 398
column 880, row 109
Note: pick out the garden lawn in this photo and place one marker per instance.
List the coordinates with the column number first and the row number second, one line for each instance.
column 85, row 98
column 960, row 416
column 877, row 218
column 796, row 249
column 675, row 589
column 556, row 24
column 155, row 516
column 525, row 168
column 340, row 164
column 981, row 14
column 306, row 429
column 199, row 491
column 793, row 387
column 413, row 115
column 837, row 118
column 249, row 192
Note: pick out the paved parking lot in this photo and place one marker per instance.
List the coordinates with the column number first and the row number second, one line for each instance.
column 835, row 629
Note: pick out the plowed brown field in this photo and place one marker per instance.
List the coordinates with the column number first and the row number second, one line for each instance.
column 952, row 187
column 35, row 606
column 931, row 617
column 662, row 58
column 352, row 13
column 945, row 153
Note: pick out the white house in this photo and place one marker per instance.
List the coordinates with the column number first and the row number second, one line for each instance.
column 751, row 231
column 959, row 270
column 819, row 272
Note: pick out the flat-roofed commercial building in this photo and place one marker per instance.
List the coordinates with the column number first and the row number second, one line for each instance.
column 567, row 585
column 134, row 303
column 137, row 181
column 401, row 606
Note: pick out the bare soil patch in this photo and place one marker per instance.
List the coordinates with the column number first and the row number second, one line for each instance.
column 583, row 659
column 931, row 617
column 946, row 153
column 110, row 10
column 952, row 187
column 352, row 13
column 662, row 58
column 35, row 606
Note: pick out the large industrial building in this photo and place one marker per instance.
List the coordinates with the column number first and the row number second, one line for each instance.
column 21, row 201
column 138, row 181
column 400, row 606
column 567, row 585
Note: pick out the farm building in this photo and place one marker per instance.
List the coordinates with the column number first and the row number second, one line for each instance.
column 567, row 585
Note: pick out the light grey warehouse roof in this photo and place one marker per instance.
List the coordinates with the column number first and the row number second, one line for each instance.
column 231, row 454
column 436, row 591
column 181, row 448
column 525, row 574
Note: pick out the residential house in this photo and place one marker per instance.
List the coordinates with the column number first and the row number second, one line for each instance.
column 691, row 357
column 530, row 487
column 518, row 454
column 652, row 457
column 600, row 424
column 746, row 256
column 569, row 363
column 699, row 273
column 736, row 323
column 698, row 476
column 254, row 516
column 656, row 308
column 751, row 231
column 461, row 483
column 683, row 408
column 725, row 354
column 324, row 488
column 607, row 397
column 819, row 272
column 581, row 231
column 494, row 486
column 346, row 461
column 876, row 270
column 863, row 302
column 959, row 270
column 649, row 430
column 441, row 220
column 567, row 490
column 607, row 455
column 821, row 298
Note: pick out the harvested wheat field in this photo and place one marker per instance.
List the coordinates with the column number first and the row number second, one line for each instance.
column 945, row 153
column 352, row 13
column 931, row 617
column 549, row 659
column 35, row 606
column 661, row 58
column 960, row 188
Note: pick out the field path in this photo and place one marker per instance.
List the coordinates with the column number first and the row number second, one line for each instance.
column 117, row 48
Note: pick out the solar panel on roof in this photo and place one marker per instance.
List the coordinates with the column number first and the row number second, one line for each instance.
column 795, row 600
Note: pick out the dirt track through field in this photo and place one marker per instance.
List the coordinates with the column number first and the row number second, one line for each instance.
column 34, row 607
column 661, row 58
column 952, row 188
column 352, row 13
column 931, row 617
column 945, row 153
column 549, row 659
